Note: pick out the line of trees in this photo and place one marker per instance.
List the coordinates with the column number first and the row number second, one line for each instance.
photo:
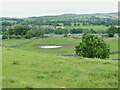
column 20, row 31
column 56, row 21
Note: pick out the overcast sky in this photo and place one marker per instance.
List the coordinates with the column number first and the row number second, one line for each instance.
column 27, row 8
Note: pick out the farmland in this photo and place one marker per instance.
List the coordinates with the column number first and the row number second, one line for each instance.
column 28, row 66
column 95, row 27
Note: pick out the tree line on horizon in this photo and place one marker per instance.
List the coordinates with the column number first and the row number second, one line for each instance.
column 20, row 31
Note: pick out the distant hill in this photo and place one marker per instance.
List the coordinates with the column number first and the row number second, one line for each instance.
column 106, row 19
column 66, row 16
column 69, row 15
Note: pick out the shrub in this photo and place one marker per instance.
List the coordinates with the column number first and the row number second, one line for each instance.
column 112, row 30
column 76, row 31
column 18, row 37
column 30, row 34
column 92, row 47
column 59, row 31
column 12, row 36
column 4, row 37
column 65, row 35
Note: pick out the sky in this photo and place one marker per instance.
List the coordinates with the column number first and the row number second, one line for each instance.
column 29, row 8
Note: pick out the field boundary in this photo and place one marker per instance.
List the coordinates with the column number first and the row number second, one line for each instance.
column 17, row 45
column 74, row 55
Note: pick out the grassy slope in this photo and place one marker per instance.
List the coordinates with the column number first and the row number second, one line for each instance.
column 113, row 43
column 14, row 41
column 28, row 66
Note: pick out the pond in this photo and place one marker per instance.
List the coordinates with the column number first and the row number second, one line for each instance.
column 50, row 46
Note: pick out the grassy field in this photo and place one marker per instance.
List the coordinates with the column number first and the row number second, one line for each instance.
column 28, row 66
column 0, row 67
column 14, row 41
column 95, row 27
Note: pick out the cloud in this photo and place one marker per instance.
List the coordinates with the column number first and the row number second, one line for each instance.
column 22, row 8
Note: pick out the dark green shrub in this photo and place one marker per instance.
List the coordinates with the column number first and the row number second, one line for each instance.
column 12, row 36
column 26, row 37
column 18, row 37
column 65, row 35
column 4, row 37
column 76, row 31
column 92, row 47
column 112, row 30
column 30, row 34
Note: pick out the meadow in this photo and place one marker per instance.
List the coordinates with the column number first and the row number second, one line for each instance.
column 28, row 66
column 94, row 27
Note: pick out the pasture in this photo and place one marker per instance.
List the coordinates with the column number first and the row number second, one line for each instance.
column 28, row 66
column 94, row 27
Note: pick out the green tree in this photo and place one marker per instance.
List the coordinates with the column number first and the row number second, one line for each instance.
column 10, row 31
column 112, row 30
column 30, row 34
column 59, row 31
column 20, row 30
column 92, row 47
column 76, row 31
column 39, row 32
column 6, row 35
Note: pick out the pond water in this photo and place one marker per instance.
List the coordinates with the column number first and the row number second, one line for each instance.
column 50, row 46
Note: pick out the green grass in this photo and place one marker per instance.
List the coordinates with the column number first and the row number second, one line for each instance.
column 14, row 41
column 0, row 67
column 29, row 66
column 95, row 27
column 112, row 42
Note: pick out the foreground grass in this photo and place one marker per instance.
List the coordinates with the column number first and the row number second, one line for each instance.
column 30, row 66
column 29, row 69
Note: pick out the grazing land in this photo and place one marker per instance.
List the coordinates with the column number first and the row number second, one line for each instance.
column 95, row 27
column 28, row 66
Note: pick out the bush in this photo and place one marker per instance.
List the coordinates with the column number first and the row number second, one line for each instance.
column 112, row 30
column 76, row 31
column 4, row 37
column 30, row 34
column 65, row 35
column 12, row 36
column 92, row 47
column 18, row 37
column 59, row 31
